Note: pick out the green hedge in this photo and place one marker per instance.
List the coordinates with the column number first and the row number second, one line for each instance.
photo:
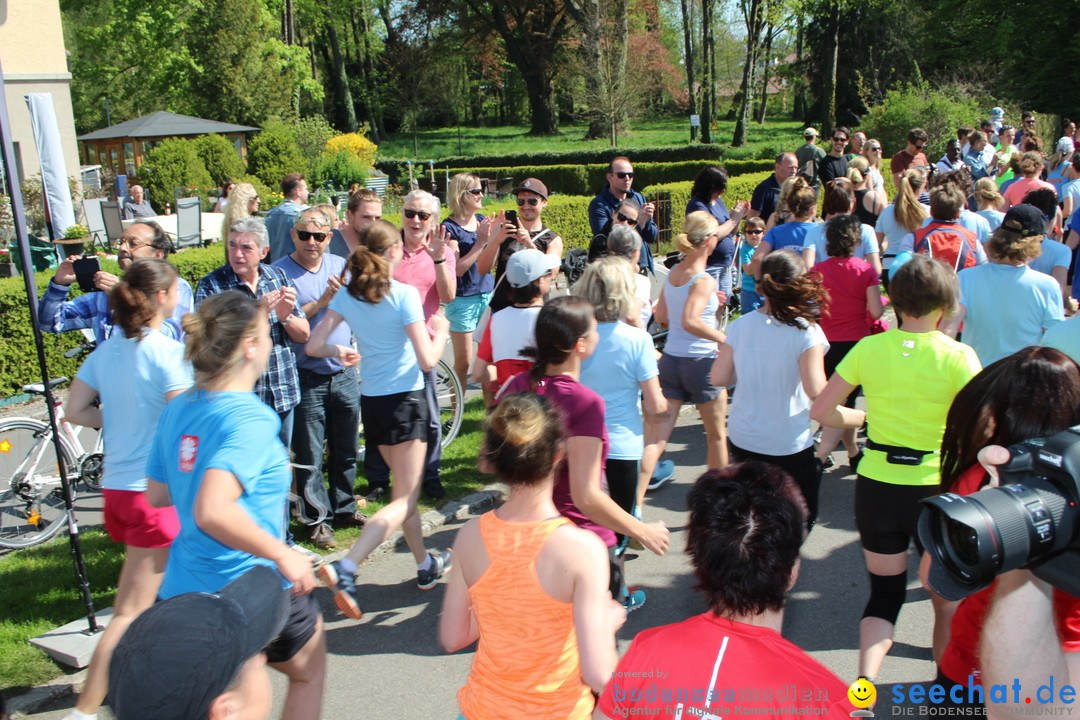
column 675, row 153
column 18, row 357
column 589, row 179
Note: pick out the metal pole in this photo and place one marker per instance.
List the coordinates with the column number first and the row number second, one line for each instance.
column 19, row 215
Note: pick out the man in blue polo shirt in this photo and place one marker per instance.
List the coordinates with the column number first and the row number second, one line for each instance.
column 620, row 178
column 767, row 193
column 329, row 409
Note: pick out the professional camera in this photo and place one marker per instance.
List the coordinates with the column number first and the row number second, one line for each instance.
column 1030, row 521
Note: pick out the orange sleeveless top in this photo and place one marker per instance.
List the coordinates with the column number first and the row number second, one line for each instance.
column 526, row 663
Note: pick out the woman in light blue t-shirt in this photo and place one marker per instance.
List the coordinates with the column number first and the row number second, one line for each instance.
column 387, row 320
column 135, row 372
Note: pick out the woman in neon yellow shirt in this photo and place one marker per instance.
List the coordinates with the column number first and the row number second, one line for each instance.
column 909, row 377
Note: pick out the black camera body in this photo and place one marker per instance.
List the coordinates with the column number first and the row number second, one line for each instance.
column 1031, row 520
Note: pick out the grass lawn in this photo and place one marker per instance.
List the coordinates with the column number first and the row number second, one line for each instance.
column 39, row 590
column 444, row 142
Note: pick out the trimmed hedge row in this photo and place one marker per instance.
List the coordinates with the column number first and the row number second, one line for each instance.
column 675, row 153
column 589, row 179
column 18, row 358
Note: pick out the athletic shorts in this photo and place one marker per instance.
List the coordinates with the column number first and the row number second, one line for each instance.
column 132, row 520
column 299, row 627
column 464, row 312
column 687, row 379
column 394, row 419
column 887, row 515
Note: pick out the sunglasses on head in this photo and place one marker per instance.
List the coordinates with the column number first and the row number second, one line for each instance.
column 306, row 235
column 622, row 218
column 476, row 191
column 522, row 202
column 410, row 213
column 622, row 175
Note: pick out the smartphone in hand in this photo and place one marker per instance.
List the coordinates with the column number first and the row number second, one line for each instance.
column 512, row 217
column 85, row 270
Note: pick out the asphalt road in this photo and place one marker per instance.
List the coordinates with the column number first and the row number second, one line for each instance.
column 389, row 664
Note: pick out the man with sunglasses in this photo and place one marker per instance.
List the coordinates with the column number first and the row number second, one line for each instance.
column 913, row 154
column 329, row 409
column 57, row 314
column 834, row 164
column 767, row 193
column 1027, row 128
column 620, row 178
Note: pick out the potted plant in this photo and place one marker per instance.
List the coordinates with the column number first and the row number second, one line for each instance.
column 77, row 235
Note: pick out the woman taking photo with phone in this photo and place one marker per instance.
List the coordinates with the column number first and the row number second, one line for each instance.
column 387, row 321
column 154, row 373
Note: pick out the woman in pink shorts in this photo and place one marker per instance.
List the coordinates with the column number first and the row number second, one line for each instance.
column 135, row 372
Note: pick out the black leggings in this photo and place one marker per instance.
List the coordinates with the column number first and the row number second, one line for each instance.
column 802, row 466
column 622, row 480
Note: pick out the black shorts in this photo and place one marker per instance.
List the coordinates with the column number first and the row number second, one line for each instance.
column 394, row 419
column 837, row 351
column 887, row 515
column 299, row 627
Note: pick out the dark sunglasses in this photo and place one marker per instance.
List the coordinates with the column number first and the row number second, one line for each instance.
column 623, row 175
column 920, row 147
column 522, row 202
column 840, row 139
column 476, row 191
column 622, row 218
column 410, row 213
column 874, row 149
column 1029, row 122
column 755, row 232
column 306, row 235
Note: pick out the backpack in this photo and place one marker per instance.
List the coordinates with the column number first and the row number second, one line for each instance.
column 949, row 242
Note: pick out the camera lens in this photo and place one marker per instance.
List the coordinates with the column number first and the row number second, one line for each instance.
column 963, row 540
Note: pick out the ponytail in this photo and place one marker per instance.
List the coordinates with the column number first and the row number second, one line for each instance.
column 215, row 332
column 909, row 212
column 132, row 299
column 793, row 293
column 559, row 325
column 368, row 266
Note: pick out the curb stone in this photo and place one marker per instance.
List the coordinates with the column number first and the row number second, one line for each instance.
column 32, row 701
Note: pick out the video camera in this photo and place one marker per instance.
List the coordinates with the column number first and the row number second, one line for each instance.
column 1030, row 521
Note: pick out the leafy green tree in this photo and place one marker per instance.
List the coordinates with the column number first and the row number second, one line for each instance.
column 273, row 153
column 220, row 158
column 175, row 163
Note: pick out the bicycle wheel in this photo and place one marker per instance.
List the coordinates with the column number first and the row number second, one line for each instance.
column 451, row 398
column 32, row 506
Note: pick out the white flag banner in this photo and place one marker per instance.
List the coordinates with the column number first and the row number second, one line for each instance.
column 54, row 176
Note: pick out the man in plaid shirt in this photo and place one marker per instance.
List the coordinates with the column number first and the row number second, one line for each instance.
column 279, row 387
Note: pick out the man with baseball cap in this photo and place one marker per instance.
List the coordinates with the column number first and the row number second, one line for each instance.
column 1005, row 305
column 199, row 655
column 809, row 155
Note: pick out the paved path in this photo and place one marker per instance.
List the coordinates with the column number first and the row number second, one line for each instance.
column 389, row 665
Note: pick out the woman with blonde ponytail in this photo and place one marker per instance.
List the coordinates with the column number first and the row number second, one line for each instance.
column 904, row 216
column 523, row 565
column 387, row 320
column 135, row 372
column 989, row 201
column 777, row 353
column 687, row 306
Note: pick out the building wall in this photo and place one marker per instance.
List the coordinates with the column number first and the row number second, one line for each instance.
column 33, row 58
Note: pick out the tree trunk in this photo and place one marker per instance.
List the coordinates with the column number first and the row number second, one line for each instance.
column 688, row 52
column 766, row 75
column 374, row 107
column 708, row 71
column 829, row 99
column 798, row 110
column 586, row 14
column 752, row 20
column 345, row 111
column 545, row 118
column 289, row 23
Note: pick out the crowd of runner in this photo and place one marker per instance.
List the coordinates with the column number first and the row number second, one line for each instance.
column 235, row 391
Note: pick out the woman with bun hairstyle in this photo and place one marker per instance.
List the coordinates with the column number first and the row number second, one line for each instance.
column 216, row 456
column 566, row 336
column 776, row 354
column 688, row 307
column 802, row 203
column 387, row 320
column 135, row 373
column 523, row 565
column 995, row 408
column 869, row 202
column 909, row 377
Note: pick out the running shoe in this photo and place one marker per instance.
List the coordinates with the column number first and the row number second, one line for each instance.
column 665, row 470
column 322, row 537
column 344, row 586
column 635, row 598
column 441, row 562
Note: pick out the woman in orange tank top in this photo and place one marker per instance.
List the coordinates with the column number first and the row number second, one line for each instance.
column 529, row 585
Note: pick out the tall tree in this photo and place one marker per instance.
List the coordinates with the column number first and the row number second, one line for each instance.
column 688, row 52
column 708, row 62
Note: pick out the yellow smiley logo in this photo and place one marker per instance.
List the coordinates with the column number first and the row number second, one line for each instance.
column 862, row 693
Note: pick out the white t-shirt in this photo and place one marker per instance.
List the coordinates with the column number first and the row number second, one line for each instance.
column 770, row 413
column 643, row 292
column 512, row 330
column 132, row 378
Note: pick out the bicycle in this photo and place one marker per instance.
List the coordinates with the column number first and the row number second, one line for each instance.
column 32, row 507
column 451, row 397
